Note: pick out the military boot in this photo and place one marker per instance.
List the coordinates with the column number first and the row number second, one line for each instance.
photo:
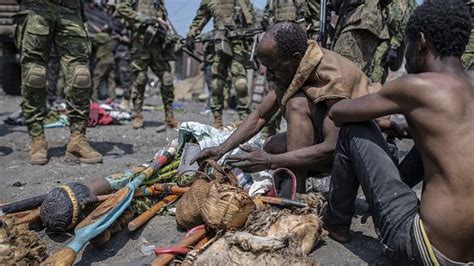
column 38, row 150
column 79, row 149
column 170, row 121
column 138, row 122
column 218, row 120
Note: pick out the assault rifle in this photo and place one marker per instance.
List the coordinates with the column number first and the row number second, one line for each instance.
column 222, row 39
column 229, row 35
column 324, row 18
column 158, row 31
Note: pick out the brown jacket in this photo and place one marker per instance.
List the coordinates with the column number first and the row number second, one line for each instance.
column 324, row 75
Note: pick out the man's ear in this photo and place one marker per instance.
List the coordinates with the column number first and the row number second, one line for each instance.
column 297, row 56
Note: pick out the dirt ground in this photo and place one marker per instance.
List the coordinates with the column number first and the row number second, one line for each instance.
column 123, row 147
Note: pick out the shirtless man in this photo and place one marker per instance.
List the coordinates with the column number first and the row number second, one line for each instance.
column 436, row 99
column 307, row 79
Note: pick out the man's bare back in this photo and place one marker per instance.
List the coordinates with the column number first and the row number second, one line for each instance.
column 439, row 110
column 437, row 102
column 443, row 129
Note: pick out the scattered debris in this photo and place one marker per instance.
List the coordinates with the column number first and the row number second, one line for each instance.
column 18, row 184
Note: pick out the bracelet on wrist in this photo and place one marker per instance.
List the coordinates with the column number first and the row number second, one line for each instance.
column 269, row 166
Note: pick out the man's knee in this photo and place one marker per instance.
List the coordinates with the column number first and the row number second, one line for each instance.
column 241, row 85
column 167, row 79
column 276, row 144
column 368, row 130
column 36, row 77
column 217, row 84
column 81, row 77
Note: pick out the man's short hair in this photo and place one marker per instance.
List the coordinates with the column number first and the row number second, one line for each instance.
column 290, row 38
column 445, row 23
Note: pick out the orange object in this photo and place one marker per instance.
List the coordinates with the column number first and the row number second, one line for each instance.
column 150, row 213
column 186, row 242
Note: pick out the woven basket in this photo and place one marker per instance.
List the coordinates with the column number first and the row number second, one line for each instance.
column 188, row 211
column 226, row 207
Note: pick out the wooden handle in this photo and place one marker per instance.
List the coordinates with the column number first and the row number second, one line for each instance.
column 63, row 257
column 198, row 248
column 282, row 202
column 173, row 189
column 186, row 242
column 150, row 213
column 159, row 189
column 270, row 200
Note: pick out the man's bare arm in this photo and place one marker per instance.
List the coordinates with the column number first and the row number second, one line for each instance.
column 395, row 97
column 251, row 125
column 254, row 122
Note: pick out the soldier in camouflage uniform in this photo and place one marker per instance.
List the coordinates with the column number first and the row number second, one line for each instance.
column 303, row 12
column 39, row 24
column 390, row 52
column 227, row 15
column 142, row 14
column 359, row 30
column 468, row 57
column 105, row 65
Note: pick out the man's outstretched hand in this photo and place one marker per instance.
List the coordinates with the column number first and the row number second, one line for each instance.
column 253, row 160
column 391, row 127
column 213, row 153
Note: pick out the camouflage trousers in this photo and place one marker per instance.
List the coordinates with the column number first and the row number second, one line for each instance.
column 359, row 46
column 221, row 66
column 104, row 70
column 142, row 58
column 38, row 28
column 378, row 72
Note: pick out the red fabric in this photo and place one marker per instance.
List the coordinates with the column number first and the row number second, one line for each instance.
column 279, row 175
column 98, row 116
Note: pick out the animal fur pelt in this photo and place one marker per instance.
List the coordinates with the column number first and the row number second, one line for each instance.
column 19, row 245
column 271, row 236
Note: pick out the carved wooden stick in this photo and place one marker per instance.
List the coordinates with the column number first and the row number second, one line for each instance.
column 150, row 213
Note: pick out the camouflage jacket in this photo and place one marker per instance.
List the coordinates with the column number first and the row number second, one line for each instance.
column 397, row 14
column 360, row 15
column 293, row 10
column 136, row 11
column 225, row 14
column 77, row 5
